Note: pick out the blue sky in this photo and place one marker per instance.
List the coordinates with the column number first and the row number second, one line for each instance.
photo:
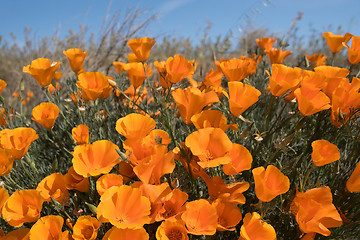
column 187, row 18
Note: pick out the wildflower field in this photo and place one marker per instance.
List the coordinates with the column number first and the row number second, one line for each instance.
column 253, row 148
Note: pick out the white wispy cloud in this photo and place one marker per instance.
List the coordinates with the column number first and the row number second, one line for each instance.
column 170, row 6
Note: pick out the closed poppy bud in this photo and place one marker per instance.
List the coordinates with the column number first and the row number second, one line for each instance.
column 124, row 207
column 135, row 126
column 17, row 141
column 53, row 89
column 42, row 70
column 76, row 58
column 45, row 114
column 200, row 217
column 191, row 101
column 81, row 134
column 335, row 41
column 265, row 43
column 54, row 186
column 241, row 97
column 86, row 228
column 353, row 184
column 277, row 56
column 57, row 76
column 171, row 230
column 141, row 47
column 2, row 85
column 22, row 206
column 254, row 228
column 269, row 183
column 324, row 152
column 4, row 195
column 76, row 181
column 48, row 228
column 107, row 181
column 211, row 145
column 95, row 159
column 94, row 85
column 126, row 234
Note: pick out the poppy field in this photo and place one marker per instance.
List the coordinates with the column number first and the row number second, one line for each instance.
column 255, row 148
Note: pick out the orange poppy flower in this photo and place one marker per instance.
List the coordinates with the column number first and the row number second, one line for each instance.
column 354, row 51
column 334, row 76
column 200, row 217
column 345, row 101
column 135, row 126
column 57, row 76
column 283, row 78
column 241, row 160
column 81, row 134
column 53, row 186
column 213, row 78
column 324, row 152
column 95, row 159
column 132, row 58
column 124, row 207
column 353, row 184
column 266, row 43
column 335, row 41
column 17, row 234
column 172, row 205
column 94, row 85
column 211, row 145
column 4, row 195
column 178, row 68
column 317, row 59
column 22, row 206
column 269, row 183
column 237, row 69
column 49, row 228
column 76, row 181
column 107, row 181
column 76, row 58
column 6, row 162
column 141, row 47
column 42, row 70
column 171, row 230
column 160, row 163
column 314, row 211
column 229, row 215
column 254, row 228
column 241, row 97
column 277, row 56
column 53, row 89
column 311, row 101
column 212, row 118
column 163, row 77
column 313, row 80
column 45, row 114
column 86, row 228
column 136, row 73
column 2, row 85
column 17, row 141
column 191, row 101
column 126, row 234
column 232, row 193
column 119, row 66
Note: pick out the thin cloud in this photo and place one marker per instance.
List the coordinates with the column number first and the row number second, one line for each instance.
column 170, row 6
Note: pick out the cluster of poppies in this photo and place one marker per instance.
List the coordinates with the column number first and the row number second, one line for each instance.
column 133, row 180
